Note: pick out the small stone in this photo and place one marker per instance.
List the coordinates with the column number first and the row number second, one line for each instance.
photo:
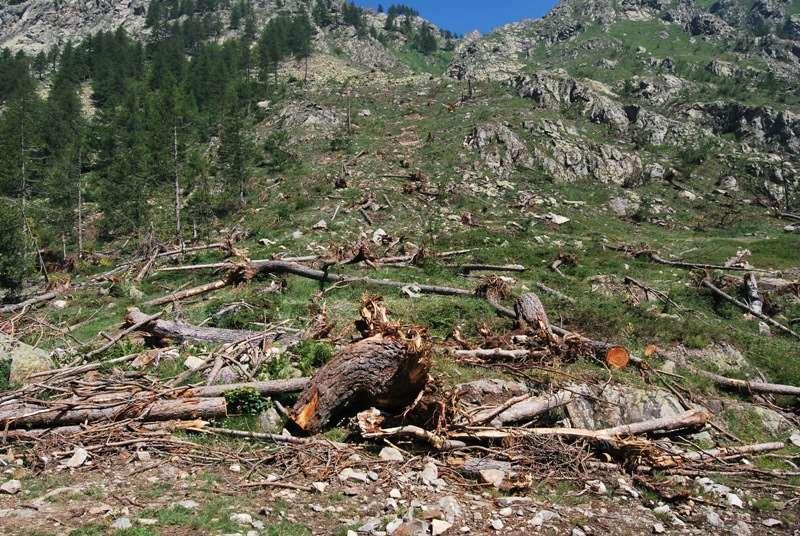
column 658, row 528
column 429, row 473
column 60, row 304
column 188, row 504
column 451, row 508
column 122, row 523
column 319, row 486
column 795, row 439
column 370, row 525
column 235, row 468
column 193, row 362
column 714, row 520
column 147, row 521
column 741, row 529
column 494, row 477
column 734, row 500
column 505, row 512
column 394, row 493
column 78, row 458
column 11, row 487
column 270, row 421
column 578, row 532
column 772, row 522
column 390, row 454
column 143, row 456
column 392, row 526
column 543, row 516
column 439, row 527
column 496, row 524
column 372, row 475
column 349, row 474
column 241, row 519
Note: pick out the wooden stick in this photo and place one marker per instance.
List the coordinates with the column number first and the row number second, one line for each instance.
column 36, row 300
column 748, row 386
column 436, row 441
column 702, row 266
column 467, row 268
column 734, row 452
column 259, row 435
column 492, row 353
column 709, row 285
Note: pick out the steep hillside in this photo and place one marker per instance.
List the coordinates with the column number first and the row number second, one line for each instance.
column 547, row 256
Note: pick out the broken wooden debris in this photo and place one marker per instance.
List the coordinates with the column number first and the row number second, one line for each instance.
column 265, row 388
column 524, row 410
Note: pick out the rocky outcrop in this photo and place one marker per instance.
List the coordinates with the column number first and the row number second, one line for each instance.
column 709, row 25
column 616, row 405
column 25, row 359
column 760, row 125
column 309, row 116
column 500, row 148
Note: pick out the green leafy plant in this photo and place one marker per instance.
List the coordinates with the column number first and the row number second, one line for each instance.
column 245, row 401
column 313, row 354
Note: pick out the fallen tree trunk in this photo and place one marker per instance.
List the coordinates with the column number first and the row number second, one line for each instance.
column 467, row 268
column 415, row 432
column 179, row 331
column 188, row 293
column 733, row 452
column 690, row 420
column 748, row 386
column 267, row 388
column 141, row 407
column 527, row 409
column 710, row 286
column 383, row 371
column 492, row 353
column 133, row 326
column 530, row 314
column 36, row 300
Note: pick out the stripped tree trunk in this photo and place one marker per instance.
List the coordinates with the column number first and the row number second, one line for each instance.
column 531, row 314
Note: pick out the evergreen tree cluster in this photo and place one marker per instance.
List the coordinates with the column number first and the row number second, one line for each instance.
column 126, row 127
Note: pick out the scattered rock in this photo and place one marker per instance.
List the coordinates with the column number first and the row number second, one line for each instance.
column 714, row 520
column 429, row 473
column 78, row 458
column 439, row 527
column 543, row 516
column 193, row 362
column 494, row 477
column 25, row 359
column 451, row 508
column 349, row 474
column 187, row 504
column 772, row 522
column 122, row 523
column 496, row 524
column 390, row 454
column 241, row 519
column 270, row 421
column 11, row 487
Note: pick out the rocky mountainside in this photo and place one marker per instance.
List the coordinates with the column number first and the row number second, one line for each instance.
column 664, row 78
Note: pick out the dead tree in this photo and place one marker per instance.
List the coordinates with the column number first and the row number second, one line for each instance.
column 531, row 315
column 387, row 371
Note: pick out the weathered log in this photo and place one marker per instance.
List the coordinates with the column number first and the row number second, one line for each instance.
column 467, row 268
column 267, row 388
column 492, row 353
column 732, row 452
column 415, row 432
column 30, row 302
column 180, row 331
column 530, row 314
column 133, row 326
column 710, row 286
column 751, row 291
column 526, row 409
column 699, row 265
column 139, row 407
column 617, row 357
column 750, row 387
column 384, row 371
column 188, row 293
column 690, row 420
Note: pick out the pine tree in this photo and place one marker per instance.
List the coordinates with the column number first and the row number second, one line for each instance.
column 14, row 262
column 322, row 14
column 425, row 41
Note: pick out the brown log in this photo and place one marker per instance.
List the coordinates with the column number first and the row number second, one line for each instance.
column 710, row 286
column 382, row 371
column 139, row 407
column 179, row 331
column 527, row 409
column 267, row 388
column 750, row 387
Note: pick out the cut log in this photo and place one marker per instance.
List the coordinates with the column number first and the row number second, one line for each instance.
column 750, row 387
column 710, row 286
column 139, row 407
column 384, row 371
column 167, row 329
column 492, row 353
column 618, row 357
column 267, row 388
column 526, row 409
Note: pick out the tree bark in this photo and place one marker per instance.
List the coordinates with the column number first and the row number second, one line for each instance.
column 188, row 293
column 36, row 300
column 750, row 387
column 267, row 388
column 139, row 407
column 531, row 314
column 168, row 329
column 382, row 371
column 527, row 409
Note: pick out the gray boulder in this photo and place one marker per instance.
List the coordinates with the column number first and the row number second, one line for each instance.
column 25, row 359
column 596, row 408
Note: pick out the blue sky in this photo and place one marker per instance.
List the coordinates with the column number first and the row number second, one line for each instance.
column 462, row 16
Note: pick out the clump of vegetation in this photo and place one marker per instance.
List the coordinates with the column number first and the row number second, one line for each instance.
column 245, row 401
column 313, row 354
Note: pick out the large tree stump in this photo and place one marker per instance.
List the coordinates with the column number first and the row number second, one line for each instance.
column 387, row 371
